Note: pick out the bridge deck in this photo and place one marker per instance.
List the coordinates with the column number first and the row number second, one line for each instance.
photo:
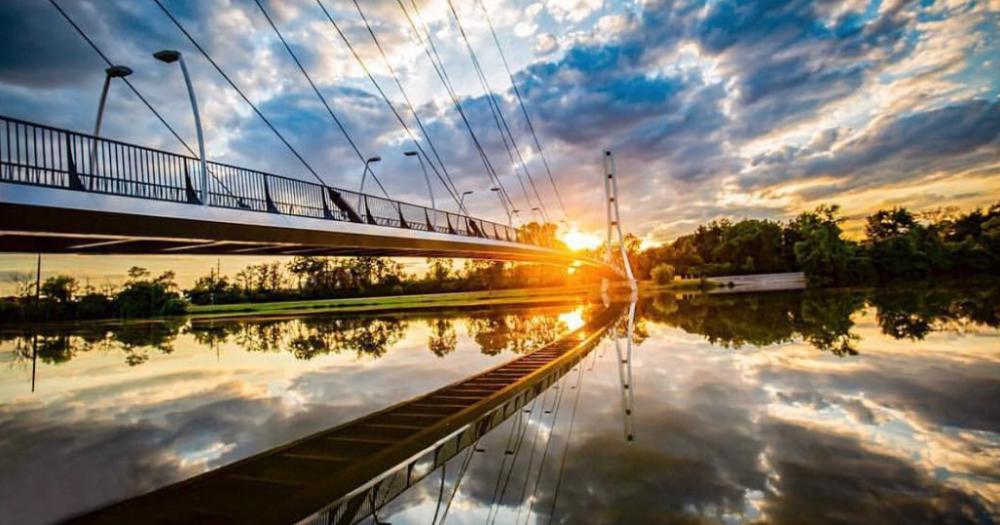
column 342, row 474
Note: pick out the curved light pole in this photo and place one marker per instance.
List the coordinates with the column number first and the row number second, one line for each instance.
column 109, row 73
column 461, row 200
column 361, row 191
column 168, row 56
column 537, row 210
column 510, row 219
column 426, row 178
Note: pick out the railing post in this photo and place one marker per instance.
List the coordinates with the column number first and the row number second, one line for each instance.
column 326, row 208
column 74, row 177
column 189, row 192
column 271, row 208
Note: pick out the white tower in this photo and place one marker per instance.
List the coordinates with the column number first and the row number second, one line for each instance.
column 614, row 221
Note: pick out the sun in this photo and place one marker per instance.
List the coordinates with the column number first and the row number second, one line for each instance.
column 578, row 240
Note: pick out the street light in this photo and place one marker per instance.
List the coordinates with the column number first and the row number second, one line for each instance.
column 168, row 56
column 536, row 209
column 461, row 200
column 111, row 72
column 510, row 219
column 426, row 178
column 368, row 162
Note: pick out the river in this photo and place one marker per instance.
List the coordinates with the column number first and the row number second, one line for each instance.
column 837, row 406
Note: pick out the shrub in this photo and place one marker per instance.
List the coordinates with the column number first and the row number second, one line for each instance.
column 663, row 274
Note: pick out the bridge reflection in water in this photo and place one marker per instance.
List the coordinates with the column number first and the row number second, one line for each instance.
column 346, row 474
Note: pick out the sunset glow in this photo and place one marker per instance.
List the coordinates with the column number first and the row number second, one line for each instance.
column 578, row 240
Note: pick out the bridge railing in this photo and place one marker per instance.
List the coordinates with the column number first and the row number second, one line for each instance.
column 46, row 156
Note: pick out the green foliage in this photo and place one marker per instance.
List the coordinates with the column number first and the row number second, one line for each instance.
column 143, row 296
column 663, row 274
column 898, row 245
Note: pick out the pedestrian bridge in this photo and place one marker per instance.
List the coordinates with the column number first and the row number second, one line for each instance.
column 67, row 192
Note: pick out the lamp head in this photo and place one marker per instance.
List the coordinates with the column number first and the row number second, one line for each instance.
column 167, row 55
column 468, row 192
column 373, row 159
column 410, row 153
column 118, row 71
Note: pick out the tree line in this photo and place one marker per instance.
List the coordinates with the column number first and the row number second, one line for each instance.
column 61, row 297
column 307, row 277
column 898, row 244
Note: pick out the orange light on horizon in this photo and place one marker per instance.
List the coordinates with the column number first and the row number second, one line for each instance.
column 578, row 240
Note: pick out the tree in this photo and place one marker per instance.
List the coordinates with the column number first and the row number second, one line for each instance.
column 60, row 288
column 888, row 224
column 439, row 269
column 145, row 297
column 822, row 254
column 663, row 274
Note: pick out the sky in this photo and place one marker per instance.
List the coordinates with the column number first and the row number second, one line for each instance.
column 713, row 109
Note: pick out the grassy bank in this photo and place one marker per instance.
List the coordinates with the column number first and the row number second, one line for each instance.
column 397, row 302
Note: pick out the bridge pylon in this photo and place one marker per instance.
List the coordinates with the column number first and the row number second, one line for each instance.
column 614, row 224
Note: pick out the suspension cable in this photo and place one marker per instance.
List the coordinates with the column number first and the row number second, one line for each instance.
column 494, row 106
column 445, row 179
column 240, row 92
column 135, row 91
column 322, row 99
column 435, row 59
column 545, row 452
column 569, row 437
column 524, row 110
column 399, row 85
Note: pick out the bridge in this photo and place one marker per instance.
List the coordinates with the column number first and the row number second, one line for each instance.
column 68, row 192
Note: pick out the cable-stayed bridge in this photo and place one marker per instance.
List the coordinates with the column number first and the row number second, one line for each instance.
column 63, row 191
column 67, row 192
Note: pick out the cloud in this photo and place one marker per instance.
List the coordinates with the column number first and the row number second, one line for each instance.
column 545, row 43
column 953, row 139
column 747, row 108
column 573, row 10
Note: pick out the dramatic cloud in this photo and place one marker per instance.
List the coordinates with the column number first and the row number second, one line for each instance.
column 756, row 108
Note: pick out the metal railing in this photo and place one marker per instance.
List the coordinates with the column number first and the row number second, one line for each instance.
column 45, row 156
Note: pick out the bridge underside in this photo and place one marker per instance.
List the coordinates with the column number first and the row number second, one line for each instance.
column 32, row 222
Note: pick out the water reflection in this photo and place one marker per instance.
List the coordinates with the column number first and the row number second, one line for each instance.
column 495, row 331
column 848, row 406
column 823, row 318
column 906, row 430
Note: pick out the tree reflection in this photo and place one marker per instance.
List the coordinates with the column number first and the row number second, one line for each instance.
column 443, row 339
column 498, row 332
column 823, row 318
column 133, row 340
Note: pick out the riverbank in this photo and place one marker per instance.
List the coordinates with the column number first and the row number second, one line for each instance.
column 397, row 302
column 558, row 294
column 514, row 296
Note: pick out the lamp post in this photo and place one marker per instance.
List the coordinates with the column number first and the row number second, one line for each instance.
column 426, row 178
column 461, row 200
column 109, row 73
column 168, row 56
column 510, row 219
column 364, row 174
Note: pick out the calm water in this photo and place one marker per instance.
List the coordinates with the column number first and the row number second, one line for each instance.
column 820, row 406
